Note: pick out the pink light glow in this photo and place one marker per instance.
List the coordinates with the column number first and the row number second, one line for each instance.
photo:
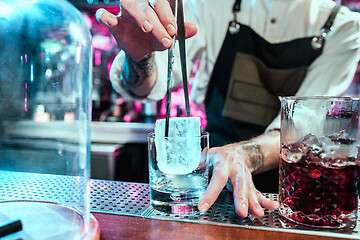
column 104, row 43
column 87, row 20
column 25, row 106
column 177, row 99
column 131, row 115
column 119, row 101
column 127, row 118
column 97, row 57
column 183, row 209
column 138, row 106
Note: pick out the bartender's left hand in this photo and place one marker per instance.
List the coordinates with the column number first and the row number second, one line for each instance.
column 229, row 162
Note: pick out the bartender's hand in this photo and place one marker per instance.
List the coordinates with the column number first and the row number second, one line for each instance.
column 142, row 28
column 230, row 162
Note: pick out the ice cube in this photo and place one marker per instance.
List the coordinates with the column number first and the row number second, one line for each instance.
column 294, row 153
column 180, row 153
column 310, row 140
column 179, row 127
column 317, row 155
column 309, row 117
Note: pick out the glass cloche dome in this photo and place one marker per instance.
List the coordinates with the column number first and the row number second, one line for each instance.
column 45, row 116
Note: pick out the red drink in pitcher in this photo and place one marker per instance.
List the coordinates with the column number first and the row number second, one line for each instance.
column 318, row 186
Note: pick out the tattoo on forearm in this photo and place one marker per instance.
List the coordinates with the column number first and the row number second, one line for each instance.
column 255, row 154
column 136, row 72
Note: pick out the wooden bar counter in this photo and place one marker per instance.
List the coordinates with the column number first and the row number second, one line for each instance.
column 116, row 227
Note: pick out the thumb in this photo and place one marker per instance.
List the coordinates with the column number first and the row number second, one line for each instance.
column 106, row 18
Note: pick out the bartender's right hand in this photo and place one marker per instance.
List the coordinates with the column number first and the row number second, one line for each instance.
column 230, row 163
column 142, row 28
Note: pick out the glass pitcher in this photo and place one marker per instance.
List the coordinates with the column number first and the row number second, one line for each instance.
column 319, row 165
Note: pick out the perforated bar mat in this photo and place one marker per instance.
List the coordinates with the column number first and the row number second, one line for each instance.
column 132, row 199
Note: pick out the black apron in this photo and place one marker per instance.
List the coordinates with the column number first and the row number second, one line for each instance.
column 249, row 75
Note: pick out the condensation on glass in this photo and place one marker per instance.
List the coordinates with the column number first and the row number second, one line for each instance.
column 45, row 115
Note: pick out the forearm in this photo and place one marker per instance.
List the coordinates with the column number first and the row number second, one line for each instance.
column 139, row 77
column 263, row 151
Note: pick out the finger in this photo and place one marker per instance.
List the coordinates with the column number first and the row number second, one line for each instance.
column 159, row 31
column 148, row 21
column 240, row 194
column 214, row 189
column 216, row 185
column 164, row 12
column 190, row 29
column 166, row 17
column 254, row 206
column 106, row 18
column 135, row 9
column 267, row 203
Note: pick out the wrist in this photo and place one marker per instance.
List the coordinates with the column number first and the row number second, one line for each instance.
column 255, row 156
column 135, row 74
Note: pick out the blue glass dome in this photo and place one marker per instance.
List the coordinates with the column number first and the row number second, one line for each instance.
column 45, row 116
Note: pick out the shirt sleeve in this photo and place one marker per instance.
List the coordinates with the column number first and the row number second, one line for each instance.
column 333, row 71
column 203, row 48
column 159, row 90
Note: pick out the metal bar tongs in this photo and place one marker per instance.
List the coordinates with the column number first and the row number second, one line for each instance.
column 177, row 8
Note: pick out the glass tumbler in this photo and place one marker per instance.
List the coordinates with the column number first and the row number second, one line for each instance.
column 319, row 165
column 45, row 116
column 178, row 182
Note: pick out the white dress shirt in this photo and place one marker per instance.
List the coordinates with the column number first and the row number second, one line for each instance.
column 276, row 21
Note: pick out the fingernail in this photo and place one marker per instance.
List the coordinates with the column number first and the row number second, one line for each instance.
column 204, row 207
column 147, row 26
column 112, row 21
column 99, row 13
column 171, row 30
column 166, row 42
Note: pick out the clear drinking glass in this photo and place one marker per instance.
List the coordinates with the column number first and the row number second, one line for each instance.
column 319, row 166
column 45, row 115
column 178, row 193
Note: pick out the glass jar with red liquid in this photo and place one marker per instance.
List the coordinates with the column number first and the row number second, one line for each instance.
column 319, row 162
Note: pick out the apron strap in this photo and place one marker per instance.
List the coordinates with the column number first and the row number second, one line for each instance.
column 330, row 21
column 234, row 26
column 237, row 6
column 318, row 41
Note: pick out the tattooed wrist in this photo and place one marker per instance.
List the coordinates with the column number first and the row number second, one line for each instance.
column 255, row 154
column 134, row 73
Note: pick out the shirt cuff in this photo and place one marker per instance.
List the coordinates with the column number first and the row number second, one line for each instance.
column 275, row 124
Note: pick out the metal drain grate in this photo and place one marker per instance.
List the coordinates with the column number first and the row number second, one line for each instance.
column 119, row 197
column 222, row 212
column 135, row 195
column 42, row 187
column 133, row 199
